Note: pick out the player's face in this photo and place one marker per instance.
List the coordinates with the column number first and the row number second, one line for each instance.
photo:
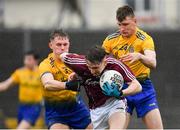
column 29, row 61
column 59, row 45
column 96, row 68
column 127, row 27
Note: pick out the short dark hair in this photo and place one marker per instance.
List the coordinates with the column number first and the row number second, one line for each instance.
column 33, row 53
column 123, row 12
column 95, row 54
column 58, row 33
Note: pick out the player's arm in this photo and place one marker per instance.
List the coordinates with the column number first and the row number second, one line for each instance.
column 72, row 76
column 6, row 84
column 149, row 58
column 113, row 89
column 63, row 57
column 133, row 84
column 74, row 61
column 133, row 88
column 107, row 45
column 51, row 84
column 54, row 85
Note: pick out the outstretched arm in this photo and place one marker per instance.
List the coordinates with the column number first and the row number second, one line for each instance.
column 6, row 84
column 51, row 84
column 54, row 85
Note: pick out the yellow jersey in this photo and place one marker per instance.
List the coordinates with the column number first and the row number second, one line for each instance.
column 139, row 42
column 30, row 87
column 60, row 72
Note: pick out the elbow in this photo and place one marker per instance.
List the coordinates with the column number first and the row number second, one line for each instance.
column 46, row 85
column 139, row 87
column 153, row 65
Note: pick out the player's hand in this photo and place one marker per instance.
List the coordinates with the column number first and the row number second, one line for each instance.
column 72, row 76
column 73, row 85
column 112, row 90
column 131, row 57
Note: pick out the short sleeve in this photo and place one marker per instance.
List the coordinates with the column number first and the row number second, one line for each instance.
column 106, row 45
column 44, row 68
column 15, row 77
column 148, row 44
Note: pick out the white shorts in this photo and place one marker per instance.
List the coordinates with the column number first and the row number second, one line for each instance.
column 100, row 115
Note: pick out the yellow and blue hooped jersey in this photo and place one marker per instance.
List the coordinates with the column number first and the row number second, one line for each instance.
column 60, row 73
column 30, row 87
column 139, row 42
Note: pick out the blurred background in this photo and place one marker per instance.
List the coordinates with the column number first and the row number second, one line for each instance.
column 26, row 24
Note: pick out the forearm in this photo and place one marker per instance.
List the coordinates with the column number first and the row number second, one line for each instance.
column 3, row 87
column 133, row 88
column 6, row 84
column 54, row 85
column 148, row 61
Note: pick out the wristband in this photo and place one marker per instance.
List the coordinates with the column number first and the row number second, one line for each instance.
column 72, row 85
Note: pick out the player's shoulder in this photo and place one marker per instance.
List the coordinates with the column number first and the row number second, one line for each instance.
column 113, row 35
column 20, row 69
column 47, row 61
column 113, row 61
column 44, row 61
column 73, row 57
column 142, row 35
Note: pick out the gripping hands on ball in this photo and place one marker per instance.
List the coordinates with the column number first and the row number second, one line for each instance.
column 112, row 90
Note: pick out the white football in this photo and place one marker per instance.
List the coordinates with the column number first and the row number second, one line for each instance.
column 112, row 76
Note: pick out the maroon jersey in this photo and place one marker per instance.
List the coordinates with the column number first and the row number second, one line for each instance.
column 91, row 83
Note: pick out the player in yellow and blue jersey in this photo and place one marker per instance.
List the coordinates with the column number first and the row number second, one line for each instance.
column 63, row 105
column 136, row 49
column 30, row 90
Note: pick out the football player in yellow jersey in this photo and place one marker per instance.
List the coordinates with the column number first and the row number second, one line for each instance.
column 136, row 49
column 30, row 90
column 63, row 105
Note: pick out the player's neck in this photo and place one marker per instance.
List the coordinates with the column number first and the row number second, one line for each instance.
column 56, row 57
column 31, row 68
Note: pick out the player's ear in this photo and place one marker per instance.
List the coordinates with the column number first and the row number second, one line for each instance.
column 50, row 44
column 105, row 60
column 135, row 20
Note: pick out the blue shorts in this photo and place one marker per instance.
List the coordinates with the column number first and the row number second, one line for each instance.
column 144, row 101
column 74, row 114
column 29, row 112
